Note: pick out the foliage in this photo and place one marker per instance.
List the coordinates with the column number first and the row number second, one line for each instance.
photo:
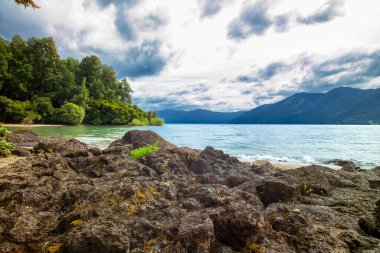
column 143, row 151
column 27, row 120
column 70, row 113
column 156, row 122
column 3, row 131
column 35, row 84
column 28, row 3
column 6, row 147
column 307, row 190
column 15, row 111
column 139, row 122
column 112, row 112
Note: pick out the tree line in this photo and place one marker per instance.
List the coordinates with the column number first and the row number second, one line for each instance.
column 36, row 85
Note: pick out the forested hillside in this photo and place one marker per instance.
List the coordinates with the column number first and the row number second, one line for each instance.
column 341, row 105
column 36, row 85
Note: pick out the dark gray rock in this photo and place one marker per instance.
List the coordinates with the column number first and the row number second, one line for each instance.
column 75, row 198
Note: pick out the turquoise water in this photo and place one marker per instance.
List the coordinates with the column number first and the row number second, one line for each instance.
column 277, row 143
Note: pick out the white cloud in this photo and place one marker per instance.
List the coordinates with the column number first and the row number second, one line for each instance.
column 192, row 48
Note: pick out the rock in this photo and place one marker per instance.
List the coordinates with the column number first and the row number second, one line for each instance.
column 196, row 231
column 145, row 138
column 23, row 138
column 70, row 197
column 277, row 190
column 346, row 165
column 376, row 170
column 56, row 145
column 20, row 151
column 97, row 237
column 262, row 166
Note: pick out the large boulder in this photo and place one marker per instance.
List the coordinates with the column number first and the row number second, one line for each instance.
column 139, row 138
column 23, row 138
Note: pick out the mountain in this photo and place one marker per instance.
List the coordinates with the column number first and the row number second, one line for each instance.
column 197, row 116
column 338, row 106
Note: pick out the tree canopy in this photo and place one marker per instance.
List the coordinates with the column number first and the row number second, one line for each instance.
column 35, row 83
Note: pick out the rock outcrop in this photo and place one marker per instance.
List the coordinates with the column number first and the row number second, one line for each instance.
column 69, row 197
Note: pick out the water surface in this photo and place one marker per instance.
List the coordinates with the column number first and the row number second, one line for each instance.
column 277, row 143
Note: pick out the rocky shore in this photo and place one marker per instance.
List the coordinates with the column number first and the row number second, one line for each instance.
column 66, row 196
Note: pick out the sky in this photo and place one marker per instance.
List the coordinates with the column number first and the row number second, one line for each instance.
column 221, row 55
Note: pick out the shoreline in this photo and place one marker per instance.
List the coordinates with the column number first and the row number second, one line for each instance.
column 29, row 125
column 288, row 166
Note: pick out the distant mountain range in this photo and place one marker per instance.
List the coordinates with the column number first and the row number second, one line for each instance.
column 338, row 106
column 197, row 116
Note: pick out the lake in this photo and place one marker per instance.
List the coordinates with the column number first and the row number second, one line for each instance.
column 276, row 143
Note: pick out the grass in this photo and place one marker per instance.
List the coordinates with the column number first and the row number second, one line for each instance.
column 141, row 152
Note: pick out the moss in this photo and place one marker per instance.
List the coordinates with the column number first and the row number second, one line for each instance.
column 252, row 247
column 77, row 222
column 54, row 248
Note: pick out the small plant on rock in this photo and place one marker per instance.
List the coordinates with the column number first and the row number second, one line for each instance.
column 143, row 151
column 307, row 190
column 3, row 131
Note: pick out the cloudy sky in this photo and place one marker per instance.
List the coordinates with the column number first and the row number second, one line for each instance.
column 223, row 55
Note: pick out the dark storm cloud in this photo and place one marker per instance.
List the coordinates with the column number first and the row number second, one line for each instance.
column 264, row 74
column 143, row 60
column 253, row 19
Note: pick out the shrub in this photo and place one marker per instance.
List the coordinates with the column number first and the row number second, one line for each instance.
column 3, row 131
column 139, row 122
column 143, row 151
column 27, row 120
column 15, row 111
column 6, row 148
column 156, row 122
column 70, row 113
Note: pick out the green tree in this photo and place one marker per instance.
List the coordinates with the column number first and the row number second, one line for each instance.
column 81, row 96
column 20, row 71
column 125, row 91
column 5, row 56
column 70, row 113
column 44, row 107
column 45, row 61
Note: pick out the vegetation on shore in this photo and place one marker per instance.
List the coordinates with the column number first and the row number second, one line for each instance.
column 36, row 85
column 6, row 147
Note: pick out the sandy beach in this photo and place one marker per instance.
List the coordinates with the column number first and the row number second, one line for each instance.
column 30, row 125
